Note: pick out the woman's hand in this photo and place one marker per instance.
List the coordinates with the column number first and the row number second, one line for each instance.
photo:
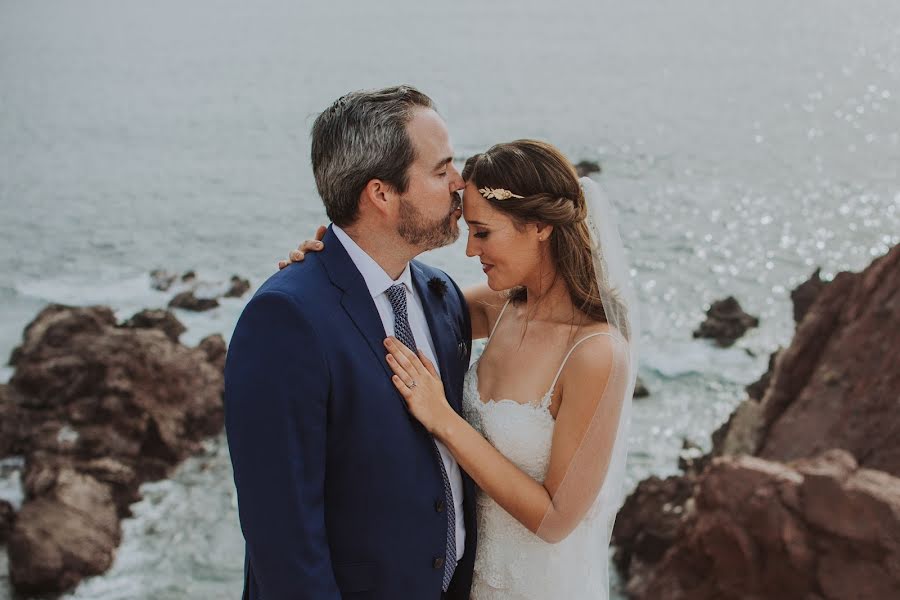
column 420, row 385
column 313, row 245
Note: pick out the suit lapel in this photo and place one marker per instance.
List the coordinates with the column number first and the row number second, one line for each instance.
column 439, row 325
column 356, row 301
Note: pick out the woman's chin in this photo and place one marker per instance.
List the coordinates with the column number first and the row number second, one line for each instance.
column 494, row 284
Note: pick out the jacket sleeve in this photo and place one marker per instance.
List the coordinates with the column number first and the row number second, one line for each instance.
column 276, row 394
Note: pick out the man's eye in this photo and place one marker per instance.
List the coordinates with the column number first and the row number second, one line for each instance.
column 443, row 174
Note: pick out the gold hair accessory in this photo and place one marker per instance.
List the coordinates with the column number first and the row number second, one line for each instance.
column 497, row 194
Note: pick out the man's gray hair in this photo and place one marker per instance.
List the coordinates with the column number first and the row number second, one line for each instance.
column 362, row 136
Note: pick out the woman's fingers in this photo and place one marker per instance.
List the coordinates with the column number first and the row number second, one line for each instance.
column 399, row 369
column 429, row 366
column 320, row 232
column 313, row 245
column 296, row 255
column 401, row 387
column 282, row 264
column 405, row 356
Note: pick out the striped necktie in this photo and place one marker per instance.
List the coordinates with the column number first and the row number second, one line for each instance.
column 402, row 331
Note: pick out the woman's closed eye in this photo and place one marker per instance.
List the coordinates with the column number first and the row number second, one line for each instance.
column 480, row 234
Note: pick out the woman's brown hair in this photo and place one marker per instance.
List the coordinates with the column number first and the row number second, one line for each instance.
column 552, row 195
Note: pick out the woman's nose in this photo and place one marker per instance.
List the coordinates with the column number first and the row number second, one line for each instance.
column 471, row 247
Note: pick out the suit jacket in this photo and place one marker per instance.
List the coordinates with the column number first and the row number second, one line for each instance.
column 340, row 492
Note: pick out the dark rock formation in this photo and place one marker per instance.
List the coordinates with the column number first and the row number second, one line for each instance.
column 239, row 287
column 161, row 280
column 188, row 276
column 691, row 458
column 725, row 322
column 213, row 346
column 586, row 167
column 68, row 531
column 640, row 389
column 160, row 319
column 648, row 523
column 805, row 294
column 756, row 389
column 774, row 530
column 188, row 301
column 7, row 516
column 97, row 409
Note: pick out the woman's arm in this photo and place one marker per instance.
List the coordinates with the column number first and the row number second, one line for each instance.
column 584, row 434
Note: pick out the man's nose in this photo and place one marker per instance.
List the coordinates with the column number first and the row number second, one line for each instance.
column 456, row 181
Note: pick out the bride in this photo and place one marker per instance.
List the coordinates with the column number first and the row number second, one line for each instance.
column 546, row 406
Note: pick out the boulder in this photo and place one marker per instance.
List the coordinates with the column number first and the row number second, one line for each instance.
column 587, row 167
column 818, row 528
column 160, row 319
column 649, row 521
column 725, row 322
column 70, row 531
column 640, row 389
column 189, row 301
column 161, row 280
column 239, row 287
column 97, row 409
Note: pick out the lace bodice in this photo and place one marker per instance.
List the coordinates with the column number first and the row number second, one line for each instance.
column 521, row 432
column 512, row 563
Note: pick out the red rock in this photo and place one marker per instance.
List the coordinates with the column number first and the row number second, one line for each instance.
column 751, row 541
column 801, row 519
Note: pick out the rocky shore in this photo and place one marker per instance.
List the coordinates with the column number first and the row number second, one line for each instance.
column 97, row 408
column 800, row 495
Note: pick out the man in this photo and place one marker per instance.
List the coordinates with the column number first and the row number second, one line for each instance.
column 341, row 493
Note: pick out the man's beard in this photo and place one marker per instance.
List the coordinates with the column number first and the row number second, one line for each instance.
column 416, row 230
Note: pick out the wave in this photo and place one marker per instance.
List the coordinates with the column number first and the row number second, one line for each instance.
column 674, row 359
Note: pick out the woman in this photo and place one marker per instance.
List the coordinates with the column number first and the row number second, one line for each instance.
column 546, row 405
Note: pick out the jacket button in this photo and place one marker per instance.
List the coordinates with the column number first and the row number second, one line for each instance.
column 439, row 506
column 438, row 563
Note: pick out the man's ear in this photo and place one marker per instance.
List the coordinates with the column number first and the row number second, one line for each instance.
column 380, row 195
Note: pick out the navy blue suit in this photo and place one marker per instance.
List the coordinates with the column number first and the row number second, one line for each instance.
column 339, row 488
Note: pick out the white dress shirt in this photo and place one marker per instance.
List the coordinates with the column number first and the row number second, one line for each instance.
column 378, row 282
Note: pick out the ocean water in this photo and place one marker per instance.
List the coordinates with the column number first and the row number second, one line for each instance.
column 743, row 144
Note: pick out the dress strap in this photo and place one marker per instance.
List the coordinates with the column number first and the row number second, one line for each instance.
column 497, row 322
column 571, row 350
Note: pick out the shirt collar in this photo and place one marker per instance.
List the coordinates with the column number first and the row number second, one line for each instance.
column 377, row 280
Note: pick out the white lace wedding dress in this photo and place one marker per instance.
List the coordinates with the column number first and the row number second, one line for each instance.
column 512, row 563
